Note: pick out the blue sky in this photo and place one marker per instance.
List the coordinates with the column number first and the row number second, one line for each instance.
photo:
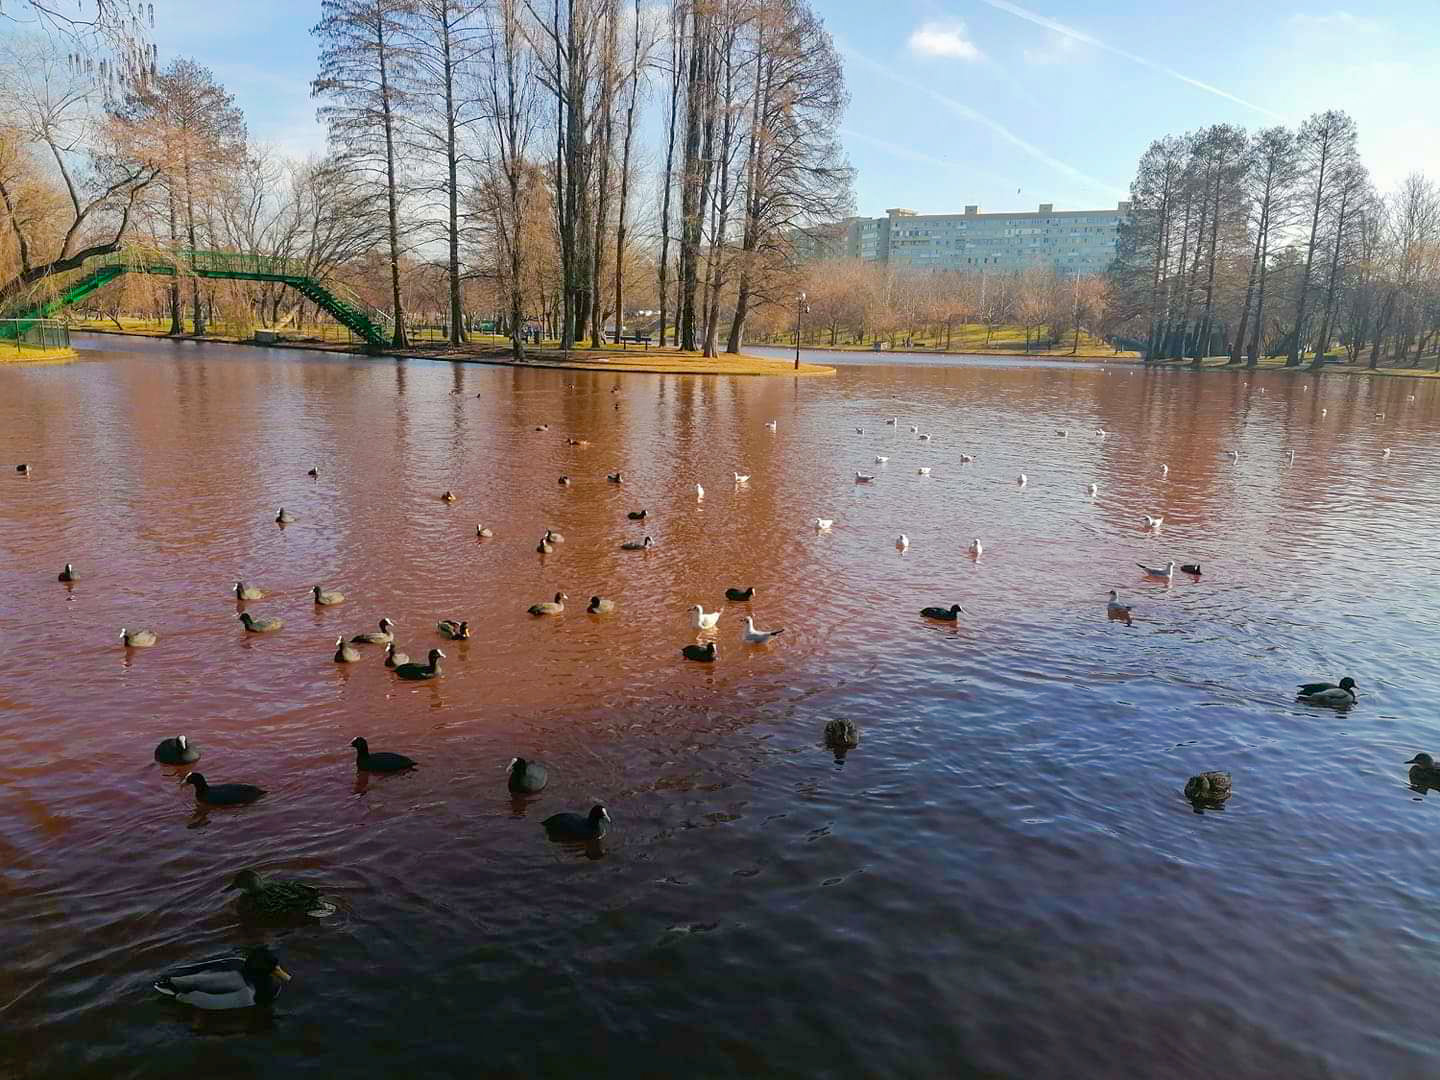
column 1005, row 103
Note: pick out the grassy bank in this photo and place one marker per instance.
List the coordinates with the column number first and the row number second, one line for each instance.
column 10, row 354
column 973, row 339
column 496, row 350
column 1272, row 364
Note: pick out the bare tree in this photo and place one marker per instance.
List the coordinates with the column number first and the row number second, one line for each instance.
column 1326, row 145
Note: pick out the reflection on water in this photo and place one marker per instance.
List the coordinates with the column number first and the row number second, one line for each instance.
column 1003, row 874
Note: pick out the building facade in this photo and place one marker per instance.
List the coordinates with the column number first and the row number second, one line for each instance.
column 1070, row 241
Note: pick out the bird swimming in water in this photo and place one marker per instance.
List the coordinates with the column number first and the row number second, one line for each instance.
column 564, row 481
column 137, row 639
column 1164, row 471
column 247, row 592
column 68, row 574
column 770, row 425
column 1153, row 522
column 22, row 469
column 314, row 471
column 378, row 761
column 569, row 826
column 449, row 496
column 226, row 982
column 1094, row 490
column 881, row 459
column 638, row 545
column 1117, row 609
column 176, row 751
column 841, row 734
column 1022, row 480
column 554, row 537
column 902, row 542
column 484, row 532
column 638, row 515
column 550, row 607
column 863, row 478
column 699, row 492
column 394, row 659
column 705, row 654
column 976, row 548
column 1423, row 771
column 385, row 635
column 823, row 524
column 221, row 794
column 924, row 470
column 345, row 653
column 1323, row 693
column 284, row 517
column 741, row 478
column 327, row 599
column 526, row 777
column 264, row 625
column 1167, row 573
column 738, row 595
column 615, row 477
column 262, row 896
column 967, row 459
column 950, row 614
column 759, row 637
column 1208, row 790
column 416, row 672
column 600, row 606
column 701, row 619
column 545, row 547
column 454, row 629
column 1191, row 568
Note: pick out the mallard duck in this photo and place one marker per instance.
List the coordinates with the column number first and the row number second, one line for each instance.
column 384, row 637
column 68, row 574
column 739, row 595
column 1320, row 693
column 567, row 826
column 550, row 607
column 381, row 760
column 421, row 671
column 261, row 625
column 1423, row 771
column 137, row 639
column 327, row 599
column 247, row 592
column 394, row 659
column 221, row 794
column 705, row 654
column 526, row 777
column 226, row 982
column 176, row 751
column 455, row 630
column 1208, row 789
column 284, row 517
column 638, row 545
column 345, row 653
column 260, row 896
column 841, row 734
column 950, row 614
column 600, row 606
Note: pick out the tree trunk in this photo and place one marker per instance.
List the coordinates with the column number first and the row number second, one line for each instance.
column 398, row 339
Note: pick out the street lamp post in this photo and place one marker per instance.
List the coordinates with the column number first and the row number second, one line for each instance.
column 801, row 307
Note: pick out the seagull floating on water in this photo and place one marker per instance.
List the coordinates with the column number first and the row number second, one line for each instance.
column 1022, row 480
column 699, row 492
column 823, row 524
column 1094, row 490
column 1154, row 522
column 1164, row 470
column 742, row 478
column 924, row 438
column 1114, row 607
column 976, row 548
column 902, row 541
column 863, row 478
column 1168, row 573
column 1385, row 452
column 701, row 619
column 759, row 637
column 914, row 430
column 967, row 459
column 880, row 460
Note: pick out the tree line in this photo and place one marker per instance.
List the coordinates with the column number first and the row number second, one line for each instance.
column 561, row 164
column 1277, row 243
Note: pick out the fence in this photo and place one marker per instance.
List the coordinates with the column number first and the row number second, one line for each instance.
column 34, row 335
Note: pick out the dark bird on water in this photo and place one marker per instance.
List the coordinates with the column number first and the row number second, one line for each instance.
column 615, row 477
column 638, row 515
column 222, row 794
column 284, row 517
column 550, row 607
column 226, row 982
column 23, row 470
column 1423, row 771
column 1208, row 789
column 137, row 639
column 1324, row 693
column 247, row 592
column 705, row 654
column 380, row 761
column 68, row 574
column 259, row 626
column 314, row 471
column 950, row 614
column 740, row 594
column 1191, row 568
column 327, row 599
column 578, row 826
column 421, row 671
column 600, row 606
column 841, row 734
column 385, row 635
column 345, row 653
column 262, row 896
column 454, row 629
column 526, row 777
column 176, row 751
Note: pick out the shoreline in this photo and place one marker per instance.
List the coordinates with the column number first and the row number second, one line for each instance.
column 644, row 362
column 39, row 356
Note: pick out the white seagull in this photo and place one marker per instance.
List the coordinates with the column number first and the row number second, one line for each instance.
column 770, row 424
column 863, row 478
column 1385, row 452
column 1164, row 470
column 1168, row 573
column 924, row 438
column 699, row 492
column 701, row 619
column 1154, row 522
column 902, row 541
column 1094, row 490
column 1114, row 607
column 1326, row 412
column 742, row 478
column 823, row 524
column 759, row 637
column 879, row 460
column 967, row 459
column 1022, row 480
column 976, row 548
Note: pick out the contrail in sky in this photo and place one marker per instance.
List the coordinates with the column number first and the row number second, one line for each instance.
column 961, row 109
column 1080, row 35
column 919, row 156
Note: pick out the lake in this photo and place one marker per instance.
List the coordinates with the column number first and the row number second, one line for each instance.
column 1002, row 879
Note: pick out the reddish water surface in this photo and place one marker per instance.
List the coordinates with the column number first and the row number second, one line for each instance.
column 1003, row 879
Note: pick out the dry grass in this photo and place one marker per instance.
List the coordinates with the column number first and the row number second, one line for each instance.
column 10, row 354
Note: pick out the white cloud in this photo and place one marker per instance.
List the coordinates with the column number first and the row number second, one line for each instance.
column 943, row 39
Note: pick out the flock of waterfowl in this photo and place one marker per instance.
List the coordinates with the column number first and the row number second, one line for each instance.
column 254, row 977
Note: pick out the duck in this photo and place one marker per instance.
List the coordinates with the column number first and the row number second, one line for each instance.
column 545, row 547
column 600, row 606
column 554, row 537
column 568, row 826
column 247, row 592
column 638, row 545
column 550, row 607
column 1093, row 490
column 421, row 671
column 1167, row 573
column 841, row 734
column 345, row 653
column 615, row 477
column 564, row 481
column 699, row 492
column 701, row 619
column 1021, row 480
column 526, row 777
column 394, row 659
column 314, row 471
column 1191, row 568
column 380, row 761
column 137, row 639
column 1101, row 433
column 484, row 532
column 881, row 459
column 863, row 478
column 284, row 517
column 68, row 574
column 740, row 595
column 638, row 515
column 176, row 751
column 262, row 625
column 741, row 478
column 1423, row 771
column 759, row 637
column 1322, row 693
column 823, row 524
column 454, row 629
column 950, row 614
column 221, row 794
column 902, row 542
column 327, row 599
column 924, row 470
column 1117, row 609
column 1208, row 789
column 260, row 896
column 704, row 654
column 448, row 496
column 385, row 635
column 226, row 982
column 1153, row 522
